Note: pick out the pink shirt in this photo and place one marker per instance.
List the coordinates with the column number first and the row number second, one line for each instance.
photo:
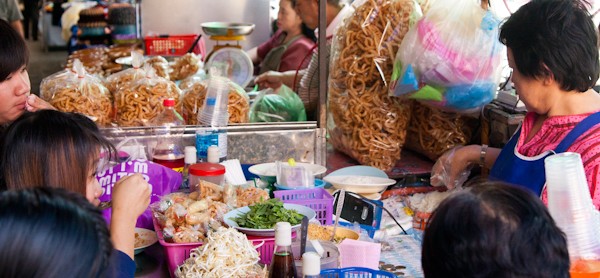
column 553, row 130
column 293, row 55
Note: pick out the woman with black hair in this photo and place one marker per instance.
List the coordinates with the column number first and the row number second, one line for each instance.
column 494, row 230
column 58, row 149
column 553, row 52
column 15, row 86
column 286, row 49
column 50, row 232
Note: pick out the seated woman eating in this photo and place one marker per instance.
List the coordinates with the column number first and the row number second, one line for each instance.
column 289, row 47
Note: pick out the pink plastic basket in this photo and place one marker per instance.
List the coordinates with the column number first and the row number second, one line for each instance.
column 177, row 253
column 317, row 199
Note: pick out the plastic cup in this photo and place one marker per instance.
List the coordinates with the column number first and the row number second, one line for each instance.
column 570, row 204
column 214, row 112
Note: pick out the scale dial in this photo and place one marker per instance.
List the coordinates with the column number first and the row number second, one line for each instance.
column 239, row 65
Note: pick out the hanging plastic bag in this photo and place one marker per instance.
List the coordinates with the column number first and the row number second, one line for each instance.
column 162, row 179
column 284, row 106
column 142, row 101
column 160, row 65
column 127, row 77
column 79, row 92
column 193, row 99
column 363, row 121
column 450, row 58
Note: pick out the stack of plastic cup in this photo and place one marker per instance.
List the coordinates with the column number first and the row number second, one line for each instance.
column 214, row 112
column 570, row 204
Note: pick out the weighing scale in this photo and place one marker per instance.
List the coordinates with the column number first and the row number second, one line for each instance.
column 228, row 53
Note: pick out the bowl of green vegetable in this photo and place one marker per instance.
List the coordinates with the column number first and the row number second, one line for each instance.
column 259, row 219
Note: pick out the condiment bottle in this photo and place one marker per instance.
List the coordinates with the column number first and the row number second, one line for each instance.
column 189, row 159
column 282, row 265
column 168, row 151
column 311, row 265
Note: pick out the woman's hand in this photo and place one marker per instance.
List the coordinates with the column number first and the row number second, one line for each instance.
column 34, row 103
column 270, row 79
column 130, row 198
column 454, row 167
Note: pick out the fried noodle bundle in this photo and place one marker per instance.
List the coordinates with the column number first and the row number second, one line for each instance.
column 364, row 122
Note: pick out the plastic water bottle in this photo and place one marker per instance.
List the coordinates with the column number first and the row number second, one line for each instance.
column 214, row 116
column 189, row 159
column 168, row 130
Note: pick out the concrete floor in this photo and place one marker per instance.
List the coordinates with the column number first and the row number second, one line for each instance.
column 43, row 63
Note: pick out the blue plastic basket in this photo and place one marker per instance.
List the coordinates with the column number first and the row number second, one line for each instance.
column 355, row 272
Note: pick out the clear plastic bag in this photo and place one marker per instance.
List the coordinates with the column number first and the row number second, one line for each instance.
column 194, row 93
column 160, row 65
column 185, row 66
column 142, row 101
column 432, row 132
column 79, row 92
column 127, row 77
column 450, row 58
column 363, row 121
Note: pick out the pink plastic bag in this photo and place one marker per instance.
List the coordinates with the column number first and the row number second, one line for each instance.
column 162, row 179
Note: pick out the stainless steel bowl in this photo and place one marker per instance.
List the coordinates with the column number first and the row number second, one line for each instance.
column 227, row 28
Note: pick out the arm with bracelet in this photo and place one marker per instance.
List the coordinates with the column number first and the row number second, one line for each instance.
column 453, row 167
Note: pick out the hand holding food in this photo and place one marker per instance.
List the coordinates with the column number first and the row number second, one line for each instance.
column 453, row 168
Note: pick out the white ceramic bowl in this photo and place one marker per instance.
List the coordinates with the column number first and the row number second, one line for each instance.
column 148, row 237
column 360, row 184
column 228, row 218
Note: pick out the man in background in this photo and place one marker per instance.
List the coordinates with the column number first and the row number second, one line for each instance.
column 9, row 11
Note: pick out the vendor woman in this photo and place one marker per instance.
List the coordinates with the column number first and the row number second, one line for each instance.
column 288, row 47
column 553, row 53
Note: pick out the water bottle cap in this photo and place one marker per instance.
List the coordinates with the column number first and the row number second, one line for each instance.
column 169, row 102
column 283, row 234
column 190, row 155
column 311, row 263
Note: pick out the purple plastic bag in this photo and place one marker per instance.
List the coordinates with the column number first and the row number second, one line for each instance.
column 163, row 181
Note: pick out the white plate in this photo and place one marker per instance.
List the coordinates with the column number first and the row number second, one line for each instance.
column 148, row 238
column 359, row 184
column 228, row 218
column 269, row 170
column 359, row 170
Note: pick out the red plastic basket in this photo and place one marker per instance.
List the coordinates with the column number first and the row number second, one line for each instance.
column 317, row 199
column 169, row 45
column 177, row 253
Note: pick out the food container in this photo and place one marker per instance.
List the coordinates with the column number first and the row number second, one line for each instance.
column 330, row 258
column 210, row 172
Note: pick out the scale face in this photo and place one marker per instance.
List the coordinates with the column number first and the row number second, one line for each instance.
column 238, row 64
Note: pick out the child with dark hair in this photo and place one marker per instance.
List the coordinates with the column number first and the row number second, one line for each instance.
column 494, row 230
column 14, row 80
column 57, row 149
column 50, row 232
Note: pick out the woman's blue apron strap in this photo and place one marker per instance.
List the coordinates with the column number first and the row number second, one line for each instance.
column 579, row 130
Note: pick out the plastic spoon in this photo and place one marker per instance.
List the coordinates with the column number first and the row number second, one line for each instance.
column 338, row 211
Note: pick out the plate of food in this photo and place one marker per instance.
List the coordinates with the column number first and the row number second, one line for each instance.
column 143, row 239
column 360, row 184
column 257, row 220
column 268, row 171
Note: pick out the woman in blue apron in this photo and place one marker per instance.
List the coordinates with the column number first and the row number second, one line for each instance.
column 552, row 50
